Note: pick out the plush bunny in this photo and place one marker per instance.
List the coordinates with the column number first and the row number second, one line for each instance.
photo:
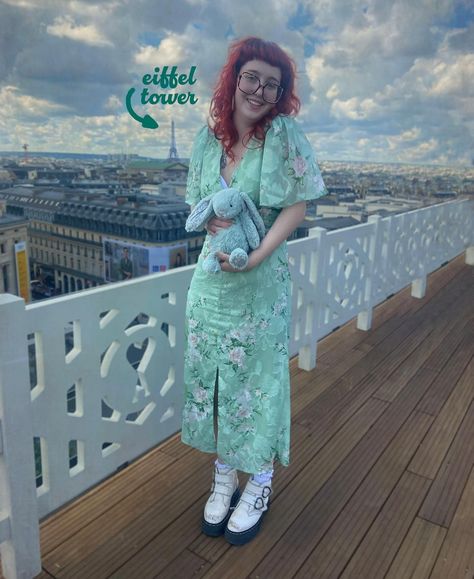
column 246, row 231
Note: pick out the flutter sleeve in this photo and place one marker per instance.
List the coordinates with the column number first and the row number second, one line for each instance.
column 193, row 185
column 290, row 172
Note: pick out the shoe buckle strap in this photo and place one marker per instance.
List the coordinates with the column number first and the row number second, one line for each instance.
column 222, row 488
column 255, row 501
column 223, row 478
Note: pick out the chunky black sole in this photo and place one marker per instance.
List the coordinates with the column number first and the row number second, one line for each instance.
column 245, row 536
column 217, row 529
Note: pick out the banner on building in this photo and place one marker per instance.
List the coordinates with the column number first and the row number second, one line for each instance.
column 22, row 272
column 124, row 261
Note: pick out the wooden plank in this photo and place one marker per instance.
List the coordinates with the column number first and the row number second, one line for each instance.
column 445, row 332
column 301, row 516
column 44, row 575
column 165, row 547
column 379, row 546
column 419, row 551
column 377, row 463
column 456, row 559
column 436, row 397
column 114, row 536
column 442, row 500
column 457, row 293
column 344, row 551
column 433, row 449
column 186, row 565
column 174, row 447
column 61, row 526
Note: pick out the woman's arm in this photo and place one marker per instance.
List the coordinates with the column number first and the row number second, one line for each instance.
column 286, row 222
column 214, row 224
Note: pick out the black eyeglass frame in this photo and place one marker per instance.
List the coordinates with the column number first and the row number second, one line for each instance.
column 280, row 88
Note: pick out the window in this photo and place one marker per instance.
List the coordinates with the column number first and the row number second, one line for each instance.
column 5, row 278
column 2, row 248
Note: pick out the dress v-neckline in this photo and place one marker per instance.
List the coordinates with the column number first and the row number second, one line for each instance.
column 223, row 181
column 236, row 168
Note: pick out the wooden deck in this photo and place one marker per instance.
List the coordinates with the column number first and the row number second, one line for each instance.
column 381, row 481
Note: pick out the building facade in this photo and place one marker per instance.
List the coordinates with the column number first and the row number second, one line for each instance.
column 67, row 231
column 13, row 231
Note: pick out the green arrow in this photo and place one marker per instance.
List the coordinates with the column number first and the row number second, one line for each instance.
column 147, row 122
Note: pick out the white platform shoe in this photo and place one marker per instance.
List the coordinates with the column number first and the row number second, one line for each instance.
column 246, row 519
column 224, row 496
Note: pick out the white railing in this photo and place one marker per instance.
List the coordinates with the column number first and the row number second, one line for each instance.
column 105, row 365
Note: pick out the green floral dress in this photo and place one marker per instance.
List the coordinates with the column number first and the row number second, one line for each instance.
column 238, row 323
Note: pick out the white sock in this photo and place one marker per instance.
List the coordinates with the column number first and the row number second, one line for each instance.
column 222, row 466
column 263, row 477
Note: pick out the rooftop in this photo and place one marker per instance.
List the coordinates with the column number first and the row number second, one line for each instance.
column 381, row 480
column 11, row 220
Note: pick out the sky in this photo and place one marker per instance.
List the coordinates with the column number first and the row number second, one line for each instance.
column 379, row 80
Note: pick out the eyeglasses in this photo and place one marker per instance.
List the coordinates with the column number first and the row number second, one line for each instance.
column 248, row 83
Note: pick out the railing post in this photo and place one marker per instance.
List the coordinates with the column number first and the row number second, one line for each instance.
column 19, row 548
column 364, row 318
column 308, row 354
column 470, row 255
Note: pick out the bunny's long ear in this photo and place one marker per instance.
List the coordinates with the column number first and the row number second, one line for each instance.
column 254, row 215
column 199, row 215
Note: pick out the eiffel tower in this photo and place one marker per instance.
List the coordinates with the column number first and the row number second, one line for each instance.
column 173, row 154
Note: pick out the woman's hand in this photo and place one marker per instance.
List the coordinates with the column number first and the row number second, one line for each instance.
column 286, row 222
column 217, row 223
column 254, row 259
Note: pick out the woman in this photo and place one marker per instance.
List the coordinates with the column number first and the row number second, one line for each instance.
column 237, row 398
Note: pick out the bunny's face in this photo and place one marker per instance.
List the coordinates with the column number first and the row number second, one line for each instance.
column 227, row 203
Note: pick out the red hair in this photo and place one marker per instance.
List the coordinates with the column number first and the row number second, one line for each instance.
column 240, row 52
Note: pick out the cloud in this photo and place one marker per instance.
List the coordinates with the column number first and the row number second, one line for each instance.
column 454, row 78
column 65, row 27
column 170, row 51
column 27, row 106
column 354, row 108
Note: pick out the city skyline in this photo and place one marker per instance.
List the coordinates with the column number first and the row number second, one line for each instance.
column 380, row 82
